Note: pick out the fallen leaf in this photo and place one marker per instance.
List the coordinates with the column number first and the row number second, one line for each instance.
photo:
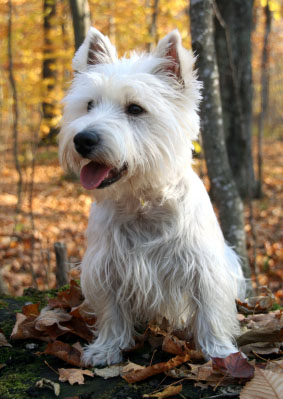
column 265, row 384
column 44, row 383
column 49, row 317
column 31, row 310
column 234, row 365
column 24, row 328
column 261, row 335
column 257, row 304
column 131, row 367
column 67, row 299
column 142, row 374
column 74, row 376
column 260, row 348
column 70, row 354
column 109, row 372
column 166, row 393
column 3, row 340
column 275, row 365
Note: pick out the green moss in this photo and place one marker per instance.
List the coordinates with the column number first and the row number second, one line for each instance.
column 3, row 304
column 276, row 306
column 20, row 373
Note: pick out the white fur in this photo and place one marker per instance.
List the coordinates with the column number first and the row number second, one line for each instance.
column 155, row 247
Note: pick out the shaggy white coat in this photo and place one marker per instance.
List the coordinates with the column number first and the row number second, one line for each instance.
column 155, row 248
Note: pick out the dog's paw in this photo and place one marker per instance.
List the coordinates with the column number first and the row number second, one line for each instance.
column 97, row 356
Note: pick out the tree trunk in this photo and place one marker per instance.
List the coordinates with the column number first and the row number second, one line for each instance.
column 233, row 25
column 223, row 188
column 152, row 28
column 15, row 112
column 50, row 112
column 81, row 20
column 264, row 93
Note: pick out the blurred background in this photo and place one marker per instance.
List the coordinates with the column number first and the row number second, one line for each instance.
column 40, row 206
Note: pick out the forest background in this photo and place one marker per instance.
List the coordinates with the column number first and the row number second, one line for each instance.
column 39, row 205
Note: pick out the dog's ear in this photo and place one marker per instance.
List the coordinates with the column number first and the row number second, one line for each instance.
column 96, row 49
column 169, row 48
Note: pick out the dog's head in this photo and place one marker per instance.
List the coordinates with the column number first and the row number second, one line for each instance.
column 130, row 118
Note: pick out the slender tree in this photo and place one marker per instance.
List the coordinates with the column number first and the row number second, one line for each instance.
column 81, row 20
column 233, row 26
column 50, row 111
column 15, row 108
column 223, row 187
column 152, row 24
column 264, row 92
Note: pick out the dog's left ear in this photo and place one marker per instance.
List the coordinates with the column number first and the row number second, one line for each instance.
column 96, row 49
column 180, row 61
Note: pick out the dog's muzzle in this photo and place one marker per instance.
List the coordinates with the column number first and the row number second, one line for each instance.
column 94, row 174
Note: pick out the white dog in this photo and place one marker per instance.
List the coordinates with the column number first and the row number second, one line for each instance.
column 155, row 248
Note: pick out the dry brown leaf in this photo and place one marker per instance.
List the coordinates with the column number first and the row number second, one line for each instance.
column 260, row 348
column 257, row 304
column 275, row 365
column 70, row 354
column 140, row 375
column 166, row 393
column 49, row 317
column 45, row 383
column 131, row 367
column 265, row 384
column 3, row 340
column 68, row 299
column 109, row 372
column 31, row 310
column 234, row 365
column 24, row 329
column 74, row 376
column 261, row 335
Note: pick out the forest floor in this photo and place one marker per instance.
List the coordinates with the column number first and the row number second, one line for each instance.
column 60, row 208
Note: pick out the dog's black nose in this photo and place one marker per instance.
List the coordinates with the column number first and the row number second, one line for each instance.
column 86, row 141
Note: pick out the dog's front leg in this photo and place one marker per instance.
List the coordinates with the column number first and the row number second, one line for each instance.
column 114, row 332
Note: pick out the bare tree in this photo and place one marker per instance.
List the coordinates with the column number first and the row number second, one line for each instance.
column 223, row 187
column 152, row 24
column 81, row 20
column 49, row 71
column 233, row 26
column 264, row 92
column 15, row 110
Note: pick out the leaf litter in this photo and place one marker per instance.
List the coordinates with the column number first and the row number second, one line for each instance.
column 69, row 315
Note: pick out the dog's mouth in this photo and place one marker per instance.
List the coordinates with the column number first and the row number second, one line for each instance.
column 95, row 175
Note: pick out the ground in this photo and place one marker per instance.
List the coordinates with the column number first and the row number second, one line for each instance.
column 24, row 366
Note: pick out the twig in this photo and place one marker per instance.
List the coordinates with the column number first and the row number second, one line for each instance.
column 51, row 368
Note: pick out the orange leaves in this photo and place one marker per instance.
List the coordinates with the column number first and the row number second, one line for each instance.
column 54, row 320
column 142, row 374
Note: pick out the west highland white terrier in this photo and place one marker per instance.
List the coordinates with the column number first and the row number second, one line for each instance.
column 155, row 248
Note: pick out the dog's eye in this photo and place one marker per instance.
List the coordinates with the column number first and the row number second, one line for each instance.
column 90, row 105
column 134, row 109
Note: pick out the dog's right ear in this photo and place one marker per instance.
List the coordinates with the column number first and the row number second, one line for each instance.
column 96, row 49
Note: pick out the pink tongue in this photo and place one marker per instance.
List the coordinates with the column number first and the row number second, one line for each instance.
column 93, row 174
